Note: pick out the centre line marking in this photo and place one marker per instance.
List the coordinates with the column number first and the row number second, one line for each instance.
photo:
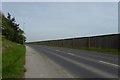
column 57, row 50
column 109, row 63
column 71, row 53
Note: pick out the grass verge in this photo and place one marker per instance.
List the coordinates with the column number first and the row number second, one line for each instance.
column 106, row 51
column 13, row 58
column 0, row 55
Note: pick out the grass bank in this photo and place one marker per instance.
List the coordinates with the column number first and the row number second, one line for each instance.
column 0, row 55
column 13, row 58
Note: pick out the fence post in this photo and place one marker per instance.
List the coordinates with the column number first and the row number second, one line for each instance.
column 63, row 42
column 73, row 42
column 89, row 42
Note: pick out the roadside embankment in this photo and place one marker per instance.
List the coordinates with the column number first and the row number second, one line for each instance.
column 13, row 58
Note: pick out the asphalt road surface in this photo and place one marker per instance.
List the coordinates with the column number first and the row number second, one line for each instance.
column 81, row 64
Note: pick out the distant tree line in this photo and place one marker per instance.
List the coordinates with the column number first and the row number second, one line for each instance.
column 11, row 29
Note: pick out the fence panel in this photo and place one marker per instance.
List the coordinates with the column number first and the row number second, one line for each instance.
column 103, row 41
column 81, row 42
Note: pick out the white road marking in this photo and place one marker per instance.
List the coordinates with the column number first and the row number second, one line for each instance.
column 64, row 52
column 71, row 53
column 57, row 50
column 109, row 63
column 87, row 67
column 92, row 60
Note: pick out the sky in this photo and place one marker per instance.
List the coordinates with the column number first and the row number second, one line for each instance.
column 59, row 20
column 60, row 0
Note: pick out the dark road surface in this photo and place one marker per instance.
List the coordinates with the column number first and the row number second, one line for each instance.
column 81, row 64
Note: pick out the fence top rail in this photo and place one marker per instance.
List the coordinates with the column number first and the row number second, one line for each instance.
column 98, row 36
column 76, row 38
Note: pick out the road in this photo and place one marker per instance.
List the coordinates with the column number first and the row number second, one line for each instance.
column 81, row 64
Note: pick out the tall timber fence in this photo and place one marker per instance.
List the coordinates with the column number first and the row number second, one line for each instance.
column 103, row 42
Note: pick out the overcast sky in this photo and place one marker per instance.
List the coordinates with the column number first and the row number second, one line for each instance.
column 56, row 20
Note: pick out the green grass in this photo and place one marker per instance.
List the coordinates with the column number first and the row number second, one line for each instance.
column 0, row 55
column 106, row 51
column 13, row 59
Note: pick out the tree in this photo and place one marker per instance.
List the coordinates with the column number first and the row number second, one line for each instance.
column 9, row 16
column 11, row 30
